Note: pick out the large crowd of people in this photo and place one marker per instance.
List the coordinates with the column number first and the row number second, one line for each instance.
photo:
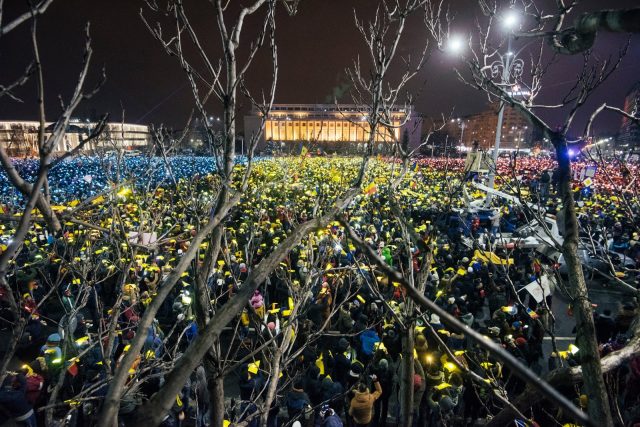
column 349, row 355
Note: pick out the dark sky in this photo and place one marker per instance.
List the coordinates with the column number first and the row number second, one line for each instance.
column 314, row 49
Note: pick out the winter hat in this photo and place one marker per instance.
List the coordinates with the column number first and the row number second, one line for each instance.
column 54, row 339
column 343, row 344
column 467, row 319
column 383, row 364
column 356, row 370
column 494, row 330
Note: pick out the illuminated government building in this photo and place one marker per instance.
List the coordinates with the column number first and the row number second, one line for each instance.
column 334, row 128
column 20, row 138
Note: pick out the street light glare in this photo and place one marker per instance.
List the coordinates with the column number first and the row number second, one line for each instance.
column 511, row 19
column 456, row 44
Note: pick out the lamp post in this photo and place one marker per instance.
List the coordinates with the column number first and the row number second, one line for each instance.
column 462, row 125
column 506, row 68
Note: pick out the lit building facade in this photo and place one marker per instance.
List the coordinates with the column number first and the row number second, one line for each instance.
column 629, row 134
column 481, row 127
column 332, row 127
column 20, row 138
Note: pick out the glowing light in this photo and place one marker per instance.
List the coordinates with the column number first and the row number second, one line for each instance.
column 456, row 44
column 573, row 349
column 450, row 366
column 124, row 192
column 511, row 19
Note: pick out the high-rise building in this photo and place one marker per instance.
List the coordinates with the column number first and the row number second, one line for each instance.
column 341, row 127
column 481, row 127
column 629, row 134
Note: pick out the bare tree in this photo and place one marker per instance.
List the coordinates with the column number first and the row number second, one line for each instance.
column 36, row 193
column 488, row 70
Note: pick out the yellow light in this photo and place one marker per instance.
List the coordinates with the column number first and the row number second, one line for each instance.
column 124, row 192
column 82, row 340
column 573, row 349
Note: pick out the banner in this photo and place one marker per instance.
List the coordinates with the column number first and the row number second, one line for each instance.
column 539, row 290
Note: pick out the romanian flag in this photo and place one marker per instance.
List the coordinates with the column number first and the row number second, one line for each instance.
column 532, row 314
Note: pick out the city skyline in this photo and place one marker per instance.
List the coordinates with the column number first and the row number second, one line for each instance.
column 315, row 47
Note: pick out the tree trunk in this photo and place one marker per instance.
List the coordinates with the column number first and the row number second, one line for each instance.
column 216, row 394
column 589, row 356
column 273, row 385
column 406, row 385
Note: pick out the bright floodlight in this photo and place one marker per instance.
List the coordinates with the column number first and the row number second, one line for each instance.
column 456, row 44
column 511, row 19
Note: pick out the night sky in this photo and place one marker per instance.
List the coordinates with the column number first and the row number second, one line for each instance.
column 315, row 47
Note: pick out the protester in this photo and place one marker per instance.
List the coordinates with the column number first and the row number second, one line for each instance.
column 349, row 319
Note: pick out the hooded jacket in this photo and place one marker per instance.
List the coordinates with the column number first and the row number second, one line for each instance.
column 361, row 408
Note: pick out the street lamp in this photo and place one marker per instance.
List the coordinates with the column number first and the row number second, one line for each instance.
column 455, row 44
column 507, row 69
column 462, row 125
column 511, row 19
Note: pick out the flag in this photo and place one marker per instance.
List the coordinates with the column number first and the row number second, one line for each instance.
column 371, row 189
column 490, row 257
column 520, row 423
